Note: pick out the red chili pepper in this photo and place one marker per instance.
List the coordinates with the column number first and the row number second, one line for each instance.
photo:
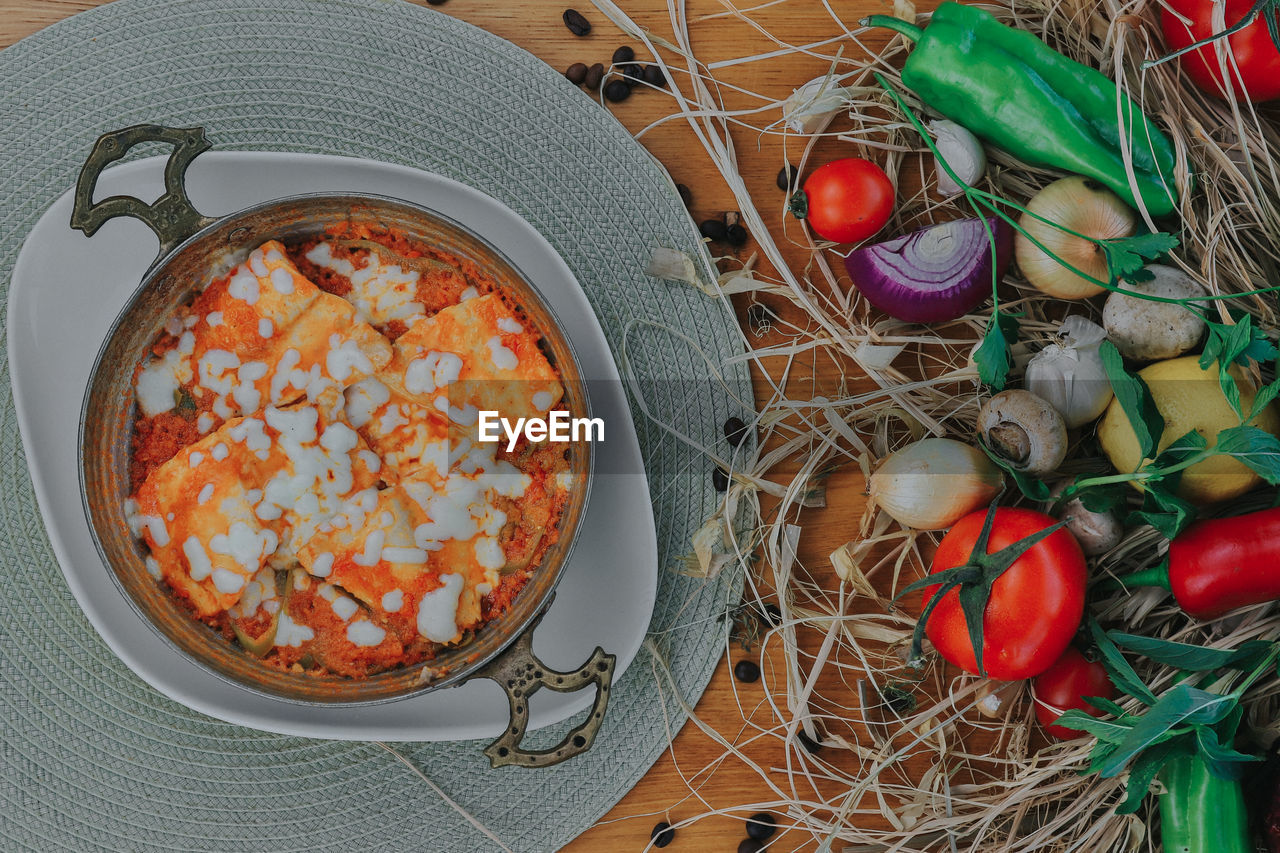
column 1219, row 565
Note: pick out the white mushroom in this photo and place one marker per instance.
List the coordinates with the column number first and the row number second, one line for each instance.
column 1025, row 431
column 1145, row 330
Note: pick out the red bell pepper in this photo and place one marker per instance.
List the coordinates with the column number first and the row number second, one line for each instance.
column 1218, row 565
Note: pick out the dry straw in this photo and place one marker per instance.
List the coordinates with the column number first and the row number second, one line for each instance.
column 941, row 775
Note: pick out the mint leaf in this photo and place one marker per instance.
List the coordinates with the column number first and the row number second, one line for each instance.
column 1265, row 396
column 1255, row 448
column 1163, row 510
column 1135, row 399
column 1127, row 256
column 992, row 356
column 1239, row 343
column 1106, row 497
column 1106, row 731
column 1181, row 705
column 1122, row 674
column 1185, row 655
column 1145, row 769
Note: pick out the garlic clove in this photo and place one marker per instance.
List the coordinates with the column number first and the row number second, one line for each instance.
column 808, row 109
column 962, row 152
column 1081, row 205
column 933, row 483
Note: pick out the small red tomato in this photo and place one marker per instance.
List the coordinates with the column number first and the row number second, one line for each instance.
column 1035, row 605
column 845, row 201
column 1064, row 685
column 1254, row 53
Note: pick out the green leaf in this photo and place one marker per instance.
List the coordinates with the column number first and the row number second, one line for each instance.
column 1180, row 655
column 1223, row 757
column 1106, row 731
column 1145, row 769
column 992, row 356
column 1135, row 399
column 1106, row 497
column 1265, row 396
column 1036, row 490
column 1163, row 510
column 1181, row 705
column 1107, row 705
column 1258, row 449
column 1122, row 674
column 1127, row 256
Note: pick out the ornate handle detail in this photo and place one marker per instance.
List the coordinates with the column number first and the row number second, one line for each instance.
column 171, row 216
column 521, row 674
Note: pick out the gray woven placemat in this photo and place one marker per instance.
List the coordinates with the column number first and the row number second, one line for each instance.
column 92, row 758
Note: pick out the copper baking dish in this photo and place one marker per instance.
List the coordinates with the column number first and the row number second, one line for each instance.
column 195, row 248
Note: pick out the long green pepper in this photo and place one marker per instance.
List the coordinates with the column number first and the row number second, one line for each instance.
column 1201, row 812
column 1017, row 93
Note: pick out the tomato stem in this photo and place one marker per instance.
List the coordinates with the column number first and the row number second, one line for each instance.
column 1247, row 21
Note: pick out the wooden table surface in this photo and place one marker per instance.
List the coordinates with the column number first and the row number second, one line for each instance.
column 536, row 26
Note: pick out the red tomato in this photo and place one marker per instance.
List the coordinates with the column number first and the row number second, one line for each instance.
column 1034, row 608
column 847, row 200
column 1064, row 685
column 1254, row 52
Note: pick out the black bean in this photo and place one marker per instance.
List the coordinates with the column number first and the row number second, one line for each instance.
column 654, row 77
column 436, row 2
column 810, row 745
column 595, row 76
column 577, row 24
column 736, row 431
column 662, row 834
column 713, row 229
column 773, row 614
column 736, row 235
column 719, row 480
column 576, row 73
column 761, row 825
column 623, row 54
column 747, row 671
column 787, row 177
column 686, row 195
column 750, row 845
column 617, row 90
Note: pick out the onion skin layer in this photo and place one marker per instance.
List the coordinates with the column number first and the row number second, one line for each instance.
column 886, row 275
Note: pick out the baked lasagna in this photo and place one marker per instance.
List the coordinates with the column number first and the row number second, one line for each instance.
column 306, row 473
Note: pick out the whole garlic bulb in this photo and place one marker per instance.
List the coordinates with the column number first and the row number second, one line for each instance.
column 1069, row 375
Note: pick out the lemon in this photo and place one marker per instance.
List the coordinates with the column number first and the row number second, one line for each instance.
column 1188, row 398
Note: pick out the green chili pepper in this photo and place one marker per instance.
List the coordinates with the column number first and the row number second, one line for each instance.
column 1014, row 91
column 1201, row 812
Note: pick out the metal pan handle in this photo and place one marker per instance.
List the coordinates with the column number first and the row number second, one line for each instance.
column 171, row 216
column 520, row 674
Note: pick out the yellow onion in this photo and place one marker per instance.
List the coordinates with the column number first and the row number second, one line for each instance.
column 1081, row 205
column 932, row 484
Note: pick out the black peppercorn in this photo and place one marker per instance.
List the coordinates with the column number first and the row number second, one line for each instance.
column 713, row 229
column 662, row 834
column 686, row 195
column 736, row 235
column 747, row 671
column 719, row 480
column 736, row 431
column 787, row 177
column 761, row 825
column 654, row 77
column 595, row 76
column 623, row 54
column 576, row 73
column 750, row 845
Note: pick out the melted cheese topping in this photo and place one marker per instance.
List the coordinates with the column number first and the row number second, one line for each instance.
column 380, row 292
column 470, row 356
column 265, row 335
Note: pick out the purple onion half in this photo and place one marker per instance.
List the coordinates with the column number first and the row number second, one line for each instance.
column 936, row 274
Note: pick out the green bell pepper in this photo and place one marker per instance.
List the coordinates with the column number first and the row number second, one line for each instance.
column 1014, row 91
